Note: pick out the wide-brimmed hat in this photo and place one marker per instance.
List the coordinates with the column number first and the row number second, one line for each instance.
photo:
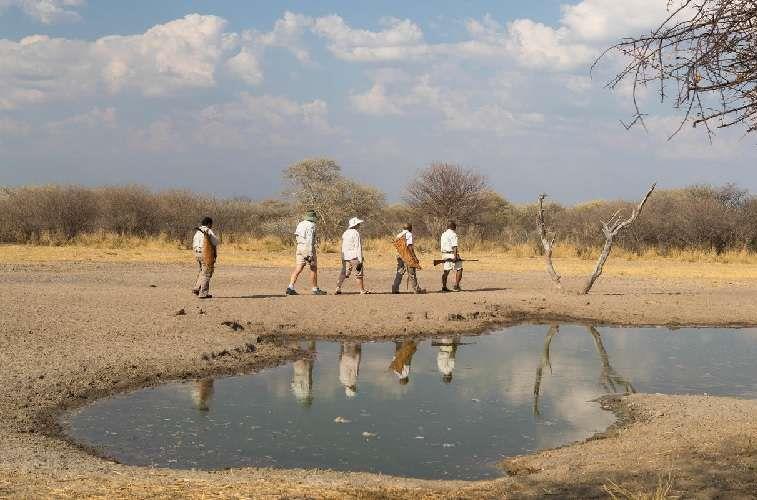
column 354, row 222
column 310, row 216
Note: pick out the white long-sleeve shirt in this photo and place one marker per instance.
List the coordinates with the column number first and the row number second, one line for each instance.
column 305, row 234
column 199, row 238
column 352, row 247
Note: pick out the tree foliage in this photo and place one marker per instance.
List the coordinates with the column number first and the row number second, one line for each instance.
column 318, row 184
column 706, row 50
column 445, row 191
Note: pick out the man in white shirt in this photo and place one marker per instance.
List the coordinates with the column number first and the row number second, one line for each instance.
column 352, row 256
column 402, row 266
column 305, row 254
column 451, row 257
column 202, row 283
column 349, row 367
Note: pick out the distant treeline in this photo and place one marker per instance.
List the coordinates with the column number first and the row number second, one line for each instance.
column 697, row 217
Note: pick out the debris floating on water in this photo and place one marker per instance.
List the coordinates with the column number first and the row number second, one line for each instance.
column 369, row 434
column 342, row 420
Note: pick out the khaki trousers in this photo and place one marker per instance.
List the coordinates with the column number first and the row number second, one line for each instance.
column 401, row 269
column 202, row 285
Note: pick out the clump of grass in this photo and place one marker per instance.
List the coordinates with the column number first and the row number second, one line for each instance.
column 661, row 492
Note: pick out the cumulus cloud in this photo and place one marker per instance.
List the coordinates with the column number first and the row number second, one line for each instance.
column 47, row 11
column 181, row 54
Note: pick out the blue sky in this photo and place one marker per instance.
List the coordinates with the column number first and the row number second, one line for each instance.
column 220, row 96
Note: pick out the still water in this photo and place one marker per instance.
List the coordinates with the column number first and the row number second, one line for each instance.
column 447, row 407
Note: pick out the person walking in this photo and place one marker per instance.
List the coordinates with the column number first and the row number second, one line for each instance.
column 205, row 246
column 305, row 255
column 451, row 257
column 407, row 261
column 352, row 257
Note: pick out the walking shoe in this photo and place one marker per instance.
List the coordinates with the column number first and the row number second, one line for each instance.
column 420, row 290
column 196, row 292
column 338, row 291
column 445, row 289
column 457, row 289
column 291, row 291
column 208, row 296
column 319, row 292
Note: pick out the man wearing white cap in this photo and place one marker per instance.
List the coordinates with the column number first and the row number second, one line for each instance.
column 352, row 256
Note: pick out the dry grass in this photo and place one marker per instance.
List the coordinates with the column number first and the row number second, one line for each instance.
column 661, row 492
column 271, row 252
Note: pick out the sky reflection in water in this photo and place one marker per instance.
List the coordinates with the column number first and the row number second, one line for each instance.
column 448, row 407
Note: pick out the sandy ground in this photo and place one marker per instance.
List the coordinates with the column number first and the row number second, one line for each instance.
column 72, row 332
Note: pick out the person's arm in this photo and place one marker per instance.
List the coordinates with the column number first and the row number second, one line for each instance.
column 359, row 244
column 310, row 240
column 213, row 237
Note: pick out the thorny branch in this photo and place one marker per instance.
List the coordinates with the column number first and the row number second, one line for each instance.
column 702, row 57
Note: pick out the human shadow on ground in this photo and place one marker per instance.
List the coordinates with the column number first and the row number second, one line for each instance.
column 260, row 296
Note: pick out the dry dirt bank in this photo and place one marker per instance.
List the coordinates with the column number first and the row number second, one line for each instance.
column 70, row 332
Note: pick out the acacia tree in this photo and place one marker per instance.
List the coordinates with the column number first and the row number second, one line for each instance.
column 318, row 184
column 445, row 191
column 706, row 50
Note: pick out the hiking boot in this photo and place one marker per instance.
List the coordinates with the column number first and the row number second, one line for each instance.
column 291, row 291
column 319, row 292
column 420, row 290
column 338, row 292
column 196, row 292
column 445, row 289
column 457, row 289
column 208, row 296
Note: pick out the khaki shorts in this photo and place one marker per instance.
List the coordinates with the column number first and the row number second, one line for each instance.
column 301, row 258
column 449, row 266
column 349, row 265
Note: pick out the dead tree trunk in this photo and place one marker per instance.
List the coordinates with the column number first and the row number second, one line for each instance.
column 611, row 229
column 547, row 243
column 545, row 363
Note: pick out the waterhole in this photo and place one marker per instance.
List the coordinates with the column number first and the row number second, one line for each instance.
column 446, row 407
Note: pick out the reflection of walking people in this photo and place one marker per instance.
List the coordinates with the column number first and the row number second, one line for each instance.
column 204, row 244
column 352, row 256
column 407, row 261
column 445, row 360
column 451, row 257
column 403, row 356
column 302, row 378
column 349, row 367
column 203, row 393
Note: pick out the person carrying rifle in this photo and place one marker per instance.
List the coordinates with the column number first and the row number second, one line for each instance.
column 204, row 244
column 406, row 260
column 305, row 254
column 451, row 257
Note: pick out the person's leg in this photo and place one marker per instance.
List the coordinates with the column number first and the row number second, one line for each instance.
column 445, row 274
column 296, row 274
column 398, row 276
column 359, row 273
column 413, row 278
column 314, row 274
column 458, row 278
column 199, row 280
column 207, row 273
column 342, row 276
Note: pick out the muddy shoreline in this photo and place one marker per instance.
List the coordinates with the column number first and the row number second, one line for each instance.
column 75, row 332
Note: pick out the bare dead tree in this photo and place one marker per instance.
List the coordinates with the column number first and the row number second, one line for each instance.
column 545, row 363
column 547, row 243
column 706, row 50
column 609, row 378
column 610, row 229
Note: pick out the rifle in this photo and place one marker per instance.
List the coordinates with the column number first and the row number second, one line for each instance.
column 442, row 261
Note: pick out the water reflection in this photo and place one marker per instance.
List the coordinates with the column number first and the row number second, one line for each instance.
column 202, row 393
column 349, row 367
column 302, row 376
column 403, row 356
column 609, row 378
column 445, row 359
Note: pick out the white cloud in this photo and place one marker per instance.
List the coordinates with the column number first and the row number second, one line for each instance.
column 401, row 39
column 603, row 20
column 287, row 32
column 95, row 118
column 47, row 11
column 251, row 121
column 181, row 54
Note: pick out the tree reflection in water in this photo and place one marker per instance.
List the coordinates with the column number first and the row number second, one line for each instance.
column 609, row 379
